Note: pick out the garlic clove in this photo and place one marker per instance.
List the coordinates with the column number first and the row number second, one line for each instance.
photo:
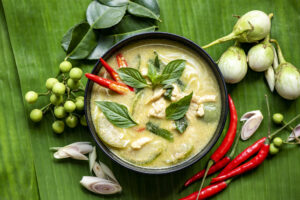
column 92, row 158
column 100, row 185
column 295, row 134
column 250, row 114
column 270, row 77
column 252, row 123
column 60, row 154
column 108, row 172
column 73, row 153
column 98, row 171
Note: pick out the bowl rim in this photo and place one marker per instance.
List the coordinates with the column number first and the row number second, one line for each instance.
column 190, row 45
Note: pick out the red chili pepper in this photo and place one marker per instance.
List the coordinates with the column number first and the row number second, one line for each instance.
column 251, row 164
column 121, row 60
column 230, row 135
column 208, row 191
column 243, row 156
column 110, row 70
column 227, row 141
column 216, row 167
column 118, row 87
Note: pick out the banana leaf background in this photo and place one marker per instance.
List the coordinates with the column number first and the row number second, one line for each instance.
column 30, row 52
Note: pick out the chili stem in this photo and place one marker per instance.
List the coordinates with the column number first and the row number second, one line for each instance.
column 269, row 115
column 209, row 164
column 283, row 127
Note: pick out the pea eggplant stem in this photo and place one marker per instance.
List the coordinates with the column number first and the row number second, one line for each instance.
column 118, row 87
column 283, row 127
column 226, row 143
column 208, row 191
column 216, row 167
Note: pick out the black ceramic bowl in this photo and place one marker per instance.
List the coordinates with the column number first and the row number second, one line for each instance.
column 198, row 50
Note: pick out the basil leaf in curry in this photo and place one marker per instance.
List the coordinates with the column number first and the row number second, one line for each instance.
column 181, row 124
column 178, row 109
column 116, row 113
column 172, row 71
column 100, row 16
column 168, row 92
column 132, row 77
column 159, row 131
column 153, row 74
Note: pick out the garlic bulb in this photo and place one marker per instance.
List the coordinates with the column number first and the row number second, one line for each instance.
column 100, row 185
column 233, row 64
column 251, row 27
column 261, row 56
column 253, row 120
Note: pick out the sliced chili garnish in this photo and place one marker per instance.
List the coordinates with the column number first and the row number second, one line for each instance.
column 251, row 164
column 208, row 191
column 243, row 156
column 121, row 60
column 118, row 87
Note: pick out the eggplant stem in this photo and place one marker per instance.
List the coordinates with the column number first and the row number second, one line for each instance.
column 271, row 15
column 231, row 36
column 280, row 55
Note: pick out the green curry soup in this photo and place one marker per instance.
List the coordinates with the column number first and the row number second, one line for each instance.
column 137, row 144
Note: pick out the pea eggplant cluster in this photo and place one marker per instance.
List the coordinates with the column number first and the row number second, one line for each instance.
column 254, row 27
column 66, row 104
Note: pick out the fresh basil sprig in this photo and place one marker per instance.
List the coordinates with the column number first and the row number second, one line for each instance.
column 178, row 109
column 170, row 74
column 132, row 77
column 159, row 131
column 153, row 74
column 116, row 113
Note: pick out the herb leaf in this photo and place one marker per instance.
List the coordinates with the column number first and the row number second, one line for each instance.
column 159, row 131
column 178, row 109
column 132, row 77
column 181, row 124
column 168, row 92
column 173, row 71
column 101, row 16
column 127, row 27
column 79, row 41
column 116, row 113
column 114, row 3
column 144, row 8
column 153, row 74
